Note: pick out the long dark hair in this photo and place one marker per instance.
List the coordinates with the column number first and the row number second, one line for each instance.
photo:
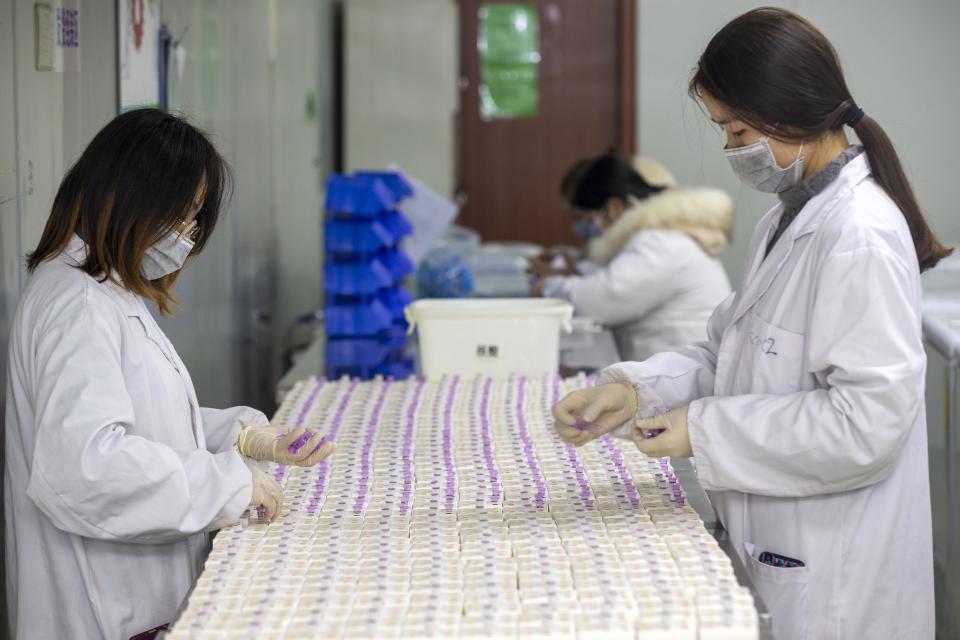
column 568, row 186
column 608, row 177
column 778, row 73
column 135, row 182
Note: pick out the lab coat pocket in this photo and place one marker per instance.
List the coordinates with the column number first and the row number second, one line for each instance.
column 783, row 591
column 771, row 358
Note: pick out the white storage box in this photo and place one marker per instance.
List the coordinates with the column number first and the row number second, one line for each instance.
column 491, row 337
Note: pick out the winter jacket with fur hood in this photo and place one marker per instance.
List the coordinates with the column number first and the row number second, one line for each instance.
column 660, row 278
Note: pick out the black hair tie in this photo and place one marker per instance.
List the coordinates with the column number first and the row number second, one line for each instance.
column 855, row 119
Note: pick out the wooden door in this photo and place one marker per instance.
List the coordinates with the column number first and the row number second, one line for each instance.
column 510, row 169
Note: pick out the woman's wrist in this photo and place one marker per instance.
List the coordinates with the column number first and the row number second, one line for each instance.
column 632, row 401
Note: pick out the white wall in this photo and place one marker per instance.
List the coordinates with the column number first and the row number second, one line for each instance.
column 250, row 66
column 304, row 153
column 223, row 92
column 401, row 87
column 898, row 57
column 46, row 119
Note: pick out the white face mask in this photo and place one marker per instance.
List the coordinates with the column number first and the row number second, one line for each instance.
column 168, row 255
column 758, row 168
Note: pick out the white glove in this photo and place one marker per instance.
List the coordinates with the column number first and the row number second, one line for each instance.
column 266, row 492
column 590, row 413
column 296, row 447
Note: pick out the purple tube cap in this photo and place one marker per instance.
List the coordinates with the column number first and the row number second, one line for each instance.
column 586, row 426
column 297, row 444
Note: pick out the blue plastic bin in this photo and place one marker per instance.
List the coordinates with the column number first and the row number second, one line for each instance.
column 356, row 352
column 397, row 184
column 357, row 236
column 396, row 336
column 396, row 300
column 350, row 320
column 396, row 262
column 398, row 369
column 358, row 196
column 362, row 373
column 397, row 224
column 356, row 278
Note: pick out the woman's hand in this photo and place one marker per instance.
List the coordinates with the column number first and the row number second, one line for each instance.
column 295, row 447
column 540, row 265
column 664, row 435
column 266, row 492
column 587, row 414
column 545, row 266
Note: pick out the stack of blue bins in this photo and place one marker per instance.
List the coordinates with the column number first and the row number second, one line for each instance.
column 363, row 275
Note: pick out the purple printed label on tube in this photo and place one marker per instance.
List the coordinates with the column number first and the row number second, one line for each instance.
column 299, row 442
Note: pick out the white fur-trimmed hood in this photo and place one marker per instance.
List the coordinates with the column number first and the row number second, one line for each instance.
column 706, row 215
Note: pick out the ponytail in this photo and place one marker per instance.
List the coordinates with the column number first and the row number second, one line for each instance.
column 888, row 172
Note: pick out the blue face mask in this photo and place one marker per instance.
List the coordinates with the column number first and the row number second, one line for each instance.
column 588, row 228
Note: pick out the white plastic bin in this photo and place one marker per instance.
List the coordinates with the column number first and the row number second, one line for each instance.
column 493, row 337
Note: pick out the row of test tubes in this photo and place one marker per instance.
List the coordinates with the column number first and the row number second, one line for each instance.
column 451, row 509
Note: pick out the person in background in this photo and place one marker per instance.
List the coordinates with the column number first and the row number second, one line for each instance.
column 566, row 260
column 804, row 409
column 571, row 261
column 657, row 278
column 114, row 475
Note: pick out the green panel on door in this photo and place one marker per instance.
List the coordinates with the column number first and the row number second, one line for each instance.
column 508, row 44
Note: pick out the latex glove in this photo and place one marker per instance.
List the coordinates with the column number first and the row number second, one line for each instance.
column 266, row 492
column 587, row 414
column 296, row 447
column 664, row 435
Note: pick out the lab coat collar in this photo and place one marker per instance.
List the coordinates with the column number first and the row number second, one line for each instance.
column 763, row 270
column 813, row 214
column 133, row 306
column 130, row 303
column 75, row 254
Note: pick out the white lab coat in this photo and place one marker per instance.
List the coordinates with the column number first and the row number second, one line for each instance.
column 657, row 279
column 114, row 474
column 807, row 420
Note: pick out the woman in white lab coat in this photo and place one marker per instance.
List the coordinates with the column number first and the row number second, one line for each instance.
column 804, row 409
column 114, row 475
column 658, row 278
